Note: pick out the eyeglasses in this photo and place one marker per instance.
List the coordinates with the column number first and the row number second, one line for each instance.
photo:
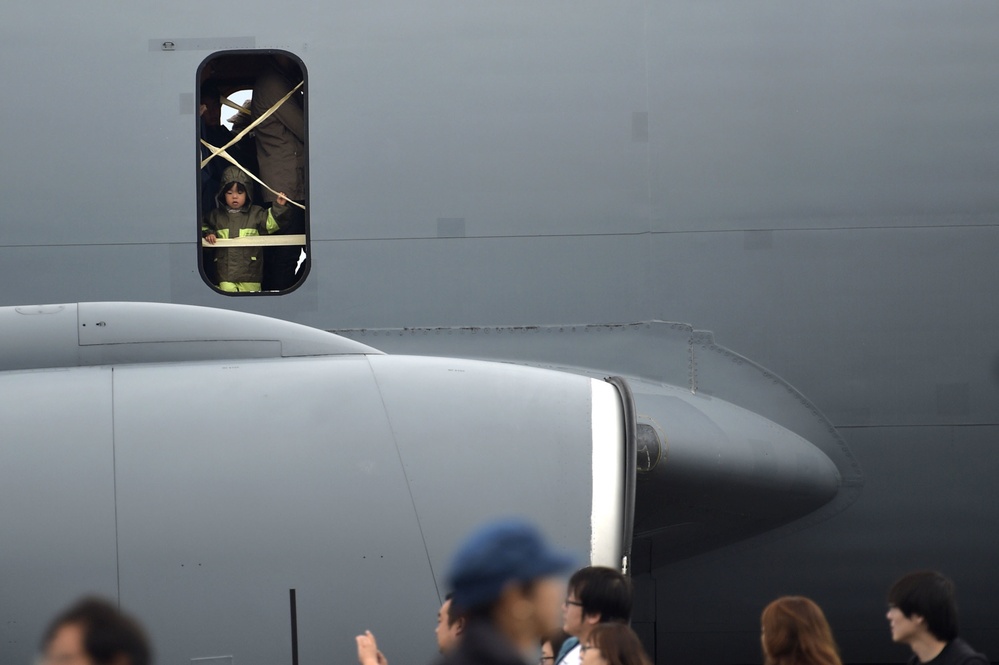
column 572, row 602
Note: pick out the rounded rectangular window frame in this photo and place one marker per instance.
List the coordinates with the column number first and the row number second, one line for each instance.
column 240, row 69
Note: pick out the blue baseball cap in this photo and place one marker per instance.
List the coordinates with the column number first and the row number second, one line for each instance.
column 510, row 550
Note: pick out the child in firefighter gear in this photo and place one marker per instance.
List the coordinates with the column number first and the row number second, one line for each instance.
column 240, row 268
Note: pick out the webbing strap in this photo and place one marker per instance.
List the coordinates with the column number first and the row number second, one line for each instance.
column 263, row 116
column 233, row 105
column 221, row 152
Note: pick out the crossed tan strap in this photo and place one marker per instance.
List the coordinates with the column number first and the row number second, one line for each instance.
column 221, row 151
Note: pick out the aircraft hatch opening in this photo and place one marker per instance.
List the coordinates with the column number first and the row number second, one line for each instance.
column 252, row 172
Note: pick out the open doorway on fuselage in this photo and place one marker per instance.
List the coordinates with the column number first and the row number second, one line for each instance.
column 253, row 212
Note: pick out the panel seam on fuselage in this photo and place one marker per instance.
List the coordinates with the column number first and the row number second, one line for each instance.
column 402, row 465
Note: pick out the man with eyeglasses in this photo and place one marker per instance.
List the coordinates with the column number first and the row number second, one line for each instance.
column 552, row 646
column 596, row 595
column 94, row 632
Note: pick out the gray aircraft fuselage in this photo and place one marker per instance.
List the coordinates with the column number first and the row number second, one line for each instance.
column 545, row 183
column 200, row 465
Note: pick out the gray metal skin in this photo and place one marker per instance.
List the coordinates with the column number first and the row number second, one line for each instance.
column 200, row 492
column 814, row 183
column 739, row 451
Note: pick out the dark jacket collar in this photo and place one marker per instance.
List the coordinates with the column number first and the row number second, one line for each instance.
column 482, row 644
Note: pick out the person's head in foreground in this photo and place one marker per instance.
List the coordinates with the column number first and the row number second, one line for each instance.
column 94, row 632
column 922, row 604
column 794, row 631
column 506, row 579
column 613, row 644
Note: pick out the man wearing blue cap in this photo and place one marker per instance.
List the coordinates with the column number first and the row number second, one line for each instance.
column 505, row 579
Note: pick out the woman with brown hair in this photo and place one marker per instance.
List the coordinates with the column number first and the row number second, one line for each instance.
column 794, row 631
column 613, row 644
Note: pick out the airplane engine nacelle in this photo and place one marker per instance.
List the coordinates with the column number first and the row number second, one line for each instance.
column 274, row 458
column 726, row 450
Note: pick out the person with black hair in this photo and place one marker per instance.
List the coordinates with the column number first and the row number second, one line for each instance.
column 240, row 269
column 922, row 613
column 94, row 632
column 551, row 646
column 450, row 624
column 215, row 133
column 596, row 595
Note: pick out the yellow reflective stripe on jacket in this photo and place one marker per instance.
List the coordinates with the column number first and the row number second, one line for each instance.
column 272, row 224
column 248, row 232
